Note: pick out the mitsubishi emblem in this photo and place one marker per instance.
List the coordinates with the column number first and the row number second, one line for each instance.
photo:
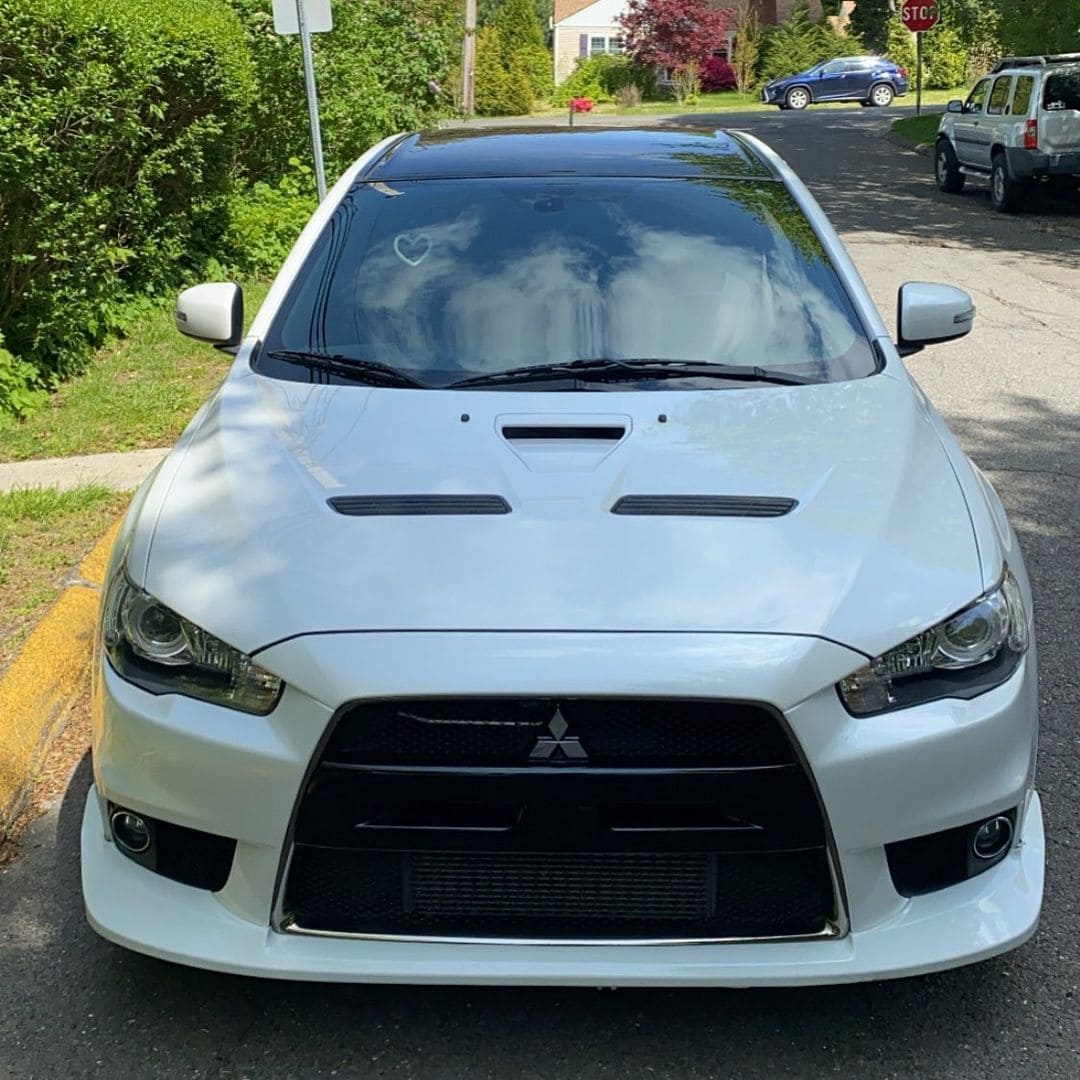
column 558, row 746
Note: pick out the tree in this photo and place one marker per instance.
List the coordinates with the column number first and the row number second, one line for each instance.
column 870, row 23
column 1040, row 26
column 673, row 32
column 747, row 46
column 799, row 44
column 900, row 45
column 522, row 44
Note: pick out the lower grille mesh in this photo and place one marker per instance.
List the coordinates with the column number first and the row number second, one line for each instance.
column 560, row 895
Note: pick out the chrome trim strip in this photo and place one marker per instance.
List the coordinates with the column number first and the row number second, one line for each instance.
column 831, row 931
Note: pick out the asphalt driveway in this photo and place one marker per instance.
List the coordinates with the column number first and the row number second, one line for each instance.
column 72, row 1005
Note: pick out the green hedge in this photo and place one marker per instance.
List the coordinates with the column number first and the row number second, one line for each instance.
column 600, row 77
column 119, row 123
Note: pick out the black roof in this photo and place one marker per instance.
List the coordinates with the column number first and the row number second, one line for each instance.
column 567, row 151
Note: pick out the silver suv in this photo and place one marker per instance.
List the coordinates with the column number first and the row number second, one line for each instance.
column 1019, row 124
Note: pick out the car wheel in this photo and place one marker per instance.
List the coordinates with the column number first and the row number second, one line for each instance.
column 947, row 169
column 797, row 98
column 1006, row 194
column 881, row 95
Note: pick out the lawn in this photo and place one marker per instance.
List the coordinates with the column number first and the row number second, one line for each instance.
column 138, row 393
column 917, row 129
column 731, row 101
column 43, row 534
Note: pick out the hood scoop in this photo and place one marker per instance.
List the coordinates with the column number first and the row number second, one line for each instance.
column 417, row 505
column 744, row 506
column 563, row 442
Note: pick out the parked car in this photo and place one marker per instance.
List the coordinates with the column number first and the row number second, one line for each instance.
column 1019, row 125
column 869, row 80
column 568, row 584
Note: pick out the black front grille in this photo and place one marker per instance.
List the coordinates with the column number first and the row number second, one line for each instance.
column 612, row 731
column 570, row 818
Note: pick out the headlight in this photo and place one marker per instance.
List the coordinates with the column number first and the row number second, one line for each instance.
column 164, row 653
column 971, row 652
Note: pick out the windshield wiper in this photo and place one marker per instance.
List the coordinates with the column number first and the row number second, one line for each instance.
column 365, row 371
column 605, row 370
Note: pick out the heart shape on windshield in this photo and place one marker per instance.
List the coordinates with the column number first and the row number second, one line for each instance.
column 412, row 248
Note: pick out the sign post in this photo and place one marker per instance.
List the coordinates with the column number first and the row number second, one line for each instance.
column 918, row 18
column 307, row 17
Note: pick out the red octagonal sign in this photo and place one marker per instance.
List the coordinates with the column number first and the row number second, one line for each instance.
column 919, row 17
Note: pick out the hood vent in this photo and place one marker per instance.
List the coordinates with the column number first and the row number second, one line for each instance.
column 417, row 505
column 591, row 432
column 754, row 506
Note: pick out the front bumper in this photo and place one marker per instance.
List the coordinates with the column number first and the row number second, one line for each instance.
column 881, row 779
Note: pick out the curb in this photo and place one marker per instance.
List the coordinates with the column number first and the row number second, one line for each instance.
column 46, row 678
column 926, row 149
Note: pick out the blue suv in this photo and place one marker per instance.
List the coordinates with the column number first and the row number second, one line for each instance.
column 869, row 80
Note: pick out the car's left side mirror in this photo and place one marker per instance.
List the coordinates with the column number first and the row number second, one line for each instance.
column 956, row 105
column 927, row 313
column 213, row 312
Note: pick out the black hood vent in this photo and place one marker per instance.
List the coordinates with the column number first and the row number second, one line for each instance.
column 755, row 506
column 417, row 505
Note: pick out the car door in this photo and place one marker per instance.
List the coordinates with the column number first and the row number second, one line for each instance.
column 857, row 79
column 829, row 84
column 992, row 128
column 967, row 135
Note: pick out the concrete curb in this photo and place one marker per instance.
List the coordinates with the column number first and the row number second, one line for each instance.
column 121, row 472
column 46, row 678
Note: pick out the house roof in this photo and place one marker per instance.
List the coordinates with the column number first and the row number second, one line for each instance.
column 565, row 8
column 565, row 151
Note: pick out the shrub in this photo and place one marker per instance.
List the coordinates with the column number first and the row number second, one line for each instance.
column 798, row 44
column 17, row 378
column 601, row 77
column 536, row 62
column 945, row 58
column 900, row 47
column 501, row 90
column 717, row 75
column 119, row 125
column 265, row 221
column 686, row 82
column 628, row 97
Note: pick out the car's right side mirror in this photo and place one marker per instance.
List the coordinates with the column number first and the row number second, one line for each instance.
column 927, row 313
column 956, row 105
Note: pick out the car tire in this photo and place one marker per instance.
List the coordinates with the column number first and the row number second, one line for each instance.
column 881, row 95
column 947, row 168
column 798, row 97
column 1006, row 194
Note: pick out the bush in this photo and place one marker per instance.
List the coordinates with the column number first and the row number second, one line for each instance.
column 501, row 89
column 119, row 126
column 717, row 75
column 945, row 58
column 798, row 44
column 536, row 62
column 900, row 47
column 17, row 379
column 265, row 221
column 601, row 77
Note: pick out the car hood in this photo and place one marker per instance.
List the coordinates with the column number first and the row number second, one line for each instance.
column 879, row 546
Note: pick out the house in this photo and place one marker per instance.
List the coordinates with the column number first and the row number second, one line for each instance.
column 587, row 27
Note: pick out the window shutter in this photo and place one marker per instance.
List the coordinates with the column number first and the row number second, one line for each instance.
column 583, row 45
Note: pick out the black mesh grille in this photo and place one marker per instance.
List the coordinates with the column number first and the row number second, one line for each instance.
column 613, row 731
column 552, row 895
column 560, row 818
column 752, row 506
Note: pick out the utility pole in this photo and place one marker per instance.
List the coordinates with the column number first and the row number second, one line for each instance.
column 468, row 60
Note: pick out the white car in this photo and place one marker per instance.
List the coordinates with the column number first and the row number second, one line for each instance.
column 568, row 584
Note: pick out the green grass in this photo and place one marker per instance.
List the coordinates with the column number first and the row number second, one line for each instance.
column 138, row 393
column 917, row 129
column 731, row 101
column 43, row 534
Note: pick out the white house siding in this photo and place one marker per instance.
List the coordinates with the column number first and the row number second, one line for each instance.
column 600, row 19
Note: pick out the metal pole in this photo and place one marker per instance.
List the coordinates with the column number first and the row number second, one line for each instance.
column 312, row 99
column 918, row 74
column 468, row 61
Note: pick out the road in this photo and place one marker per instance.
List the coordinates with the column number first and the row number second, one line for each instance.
column 73, row 1005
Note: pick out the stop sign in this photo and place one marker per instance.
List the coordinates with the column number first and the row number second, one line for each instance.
column 919, row 17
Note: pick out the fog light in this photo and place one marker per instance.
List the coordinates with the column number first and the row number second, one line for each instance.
column 992, row 837
column 130, row 832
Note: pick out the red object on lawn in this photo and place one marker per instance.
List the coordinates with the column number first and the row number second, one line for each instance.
column 581, row 104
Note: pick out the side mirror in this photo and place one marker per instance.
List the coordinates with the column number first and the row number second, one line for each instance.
column 927, row 313
column 212, row 312
column 956, row 105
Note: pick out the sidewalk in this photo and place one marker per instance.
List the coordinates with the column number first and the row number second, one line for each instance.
column 121, row 472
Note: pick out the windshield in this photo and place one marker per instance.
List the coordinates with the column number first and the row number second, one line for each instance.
column 449, row 279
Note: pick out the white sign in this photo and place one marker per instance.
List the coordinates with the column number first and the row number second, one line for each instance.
column 319, row 19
